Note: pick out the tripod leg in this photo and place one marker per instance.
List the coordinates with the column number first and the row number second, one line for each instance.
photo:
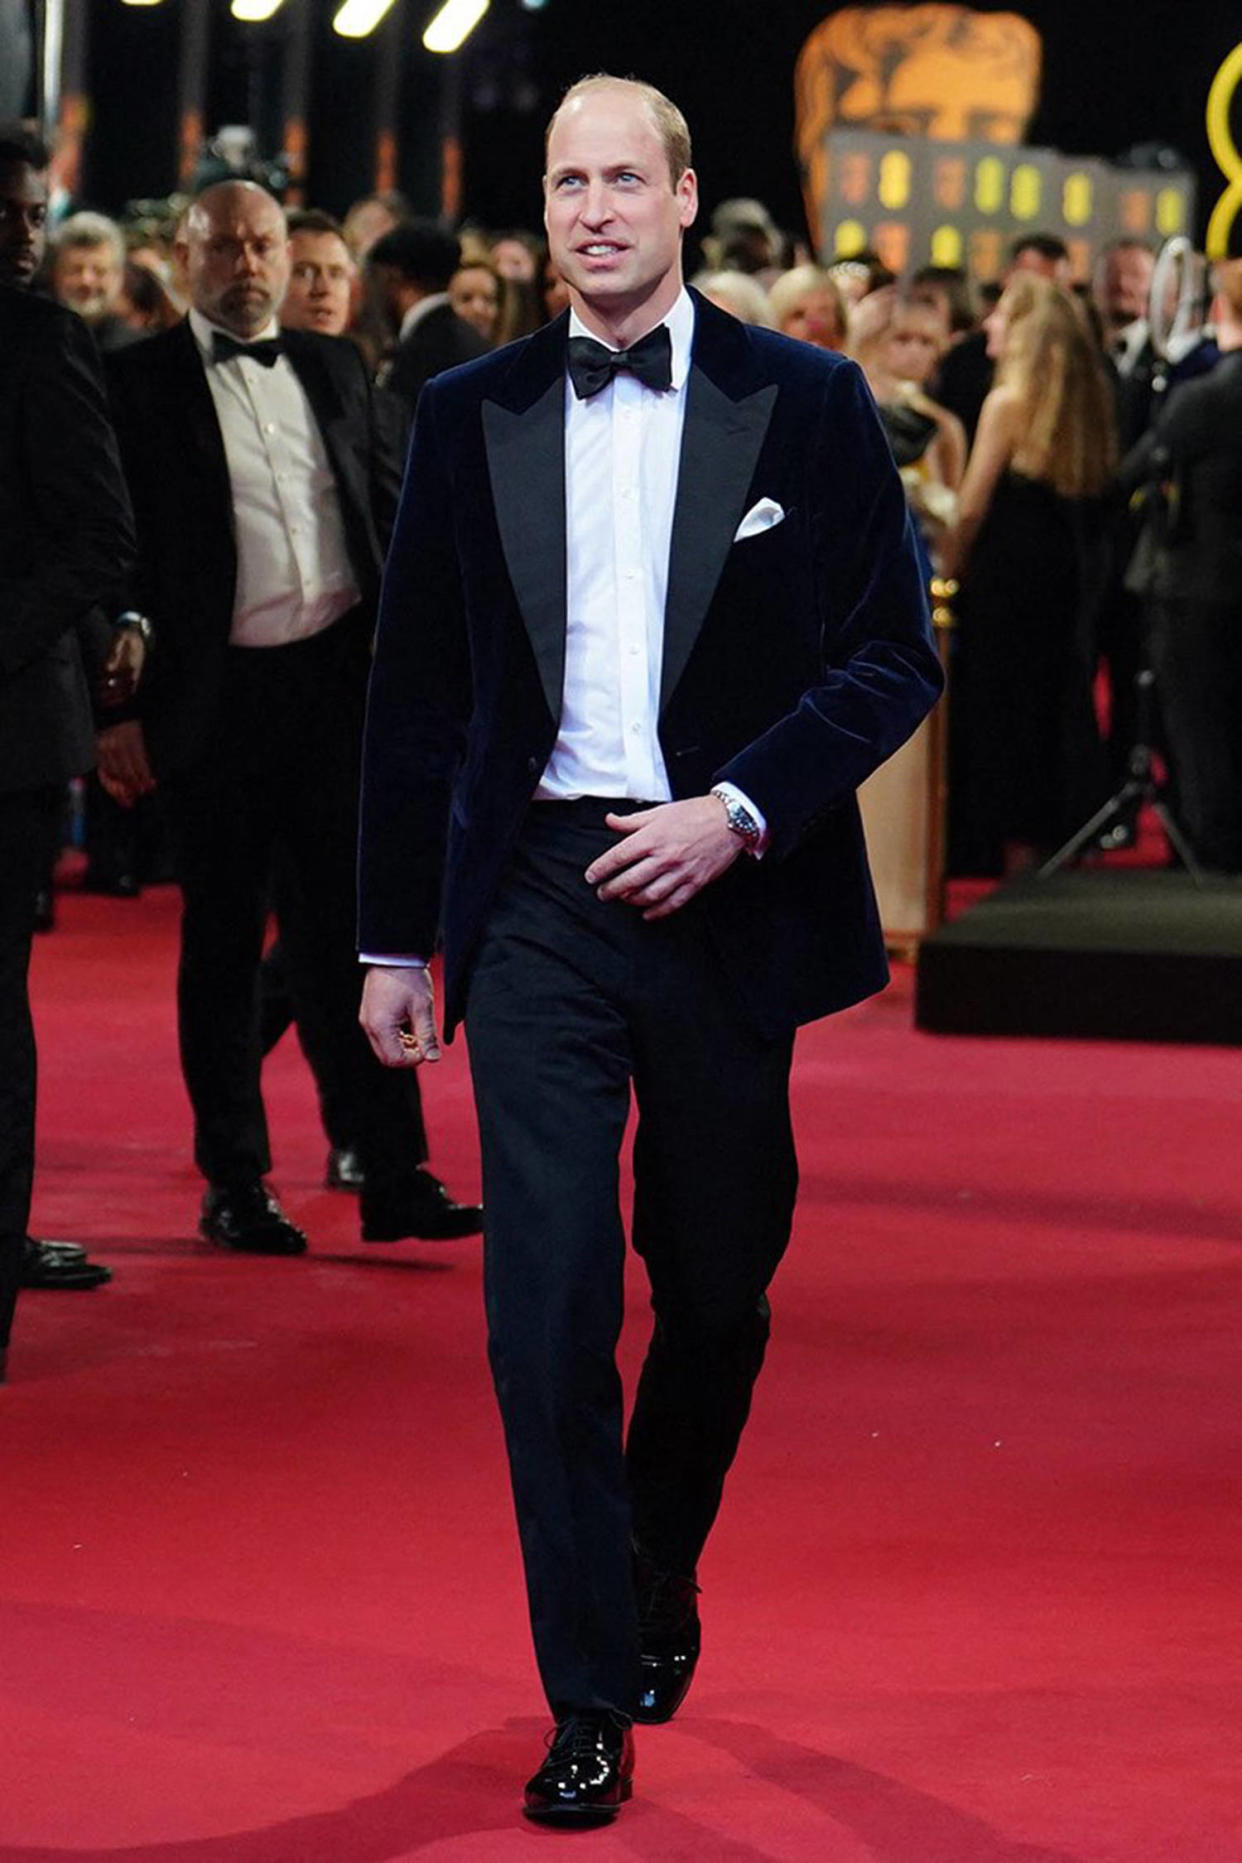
column 1178, row 842
column 1116, row 809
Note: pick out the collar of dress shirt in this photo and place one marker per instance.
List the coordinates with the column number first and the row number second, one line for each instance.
column 414, row 316
column 680, row 321
column 204, row 330
column 1129, row 340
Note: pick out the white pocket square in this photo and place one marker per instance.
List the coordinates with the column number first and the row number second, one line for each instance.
column 759, row 518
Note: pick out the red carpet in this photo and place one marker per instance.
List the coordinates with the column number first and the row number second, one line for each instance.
column 974, row 1598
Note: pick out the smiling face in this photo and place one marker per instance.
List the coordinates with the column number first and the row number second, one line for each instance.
column 474, row 294
column 236, row 256
column 614, row 214
column 88, row 279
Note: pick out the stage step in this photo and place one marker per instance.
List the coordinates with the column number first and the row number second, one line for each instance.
column 1119, row 954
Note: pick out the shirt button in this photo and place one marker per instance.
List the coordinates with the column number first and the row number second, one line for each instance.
column 636, row 730
column 270, row 427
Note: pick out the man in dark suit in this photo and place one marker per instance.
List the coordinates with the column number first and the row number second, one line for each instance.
column 408, row 272
column 263, row 496
column 66, row 541
column 1187, row 570
column 23, row 225
column 646, row 627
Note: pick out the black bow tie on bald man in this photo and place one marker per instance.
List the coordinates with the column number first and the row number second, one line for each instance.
column 592, row 365
column 223, row 346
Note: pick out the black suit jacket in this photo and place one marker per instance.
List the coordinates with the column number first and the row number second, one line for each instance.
column 66, row 539
column 439, row 341
column 174, row 459
column 795, row 661
column 1191, row 546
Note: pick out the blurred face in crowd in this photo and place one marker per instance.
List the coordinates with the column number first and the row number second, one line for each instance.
column 236, row 256
column 514, row 259
column 366, row 222
column 555, row 291
column 474, row 293
column 916, row 343
column 88, row 279
column 321, row 276
column 615, row 216
column 815, row 318
column 1031, row 260
column 1124, row 285
column 23, row 222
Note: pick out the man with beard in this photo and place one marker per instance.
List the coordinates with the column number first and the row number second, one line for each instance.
column 263, row 491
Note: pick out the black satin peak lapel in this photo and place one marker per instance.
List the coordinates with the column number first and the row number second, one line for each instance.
column 719, row 451
column 526, row 461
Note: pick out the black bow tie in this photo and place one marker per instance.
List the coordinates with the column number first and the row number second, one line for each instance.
column 592, row 366
column 223, row 346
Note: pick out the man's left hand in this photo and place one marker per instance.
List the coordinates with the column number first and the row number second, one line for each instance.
column 665, row 855
column 121, row 672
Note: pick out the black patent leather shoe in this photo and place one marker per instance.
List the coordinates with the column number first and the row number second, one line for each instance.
column 420, row 1207
column 588, row 1774
column 248, row 1218
column 669, row 1638
column 344, row 1169
column 60, row 1265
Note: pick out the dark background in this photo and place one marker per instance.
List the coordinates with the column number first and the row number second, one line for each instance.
column 1115, row 75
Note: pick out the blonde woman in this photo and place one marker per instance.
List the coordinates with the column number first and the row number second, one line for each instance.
column 807, row 304
column 1029, row 547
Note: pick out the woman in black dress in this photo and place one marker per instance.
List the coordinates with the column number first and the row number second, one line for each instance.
column 1030, row 550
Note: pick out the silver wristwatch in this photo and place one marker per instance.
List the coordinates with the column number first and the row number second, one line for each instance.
column 131, row 618
column 740, row 820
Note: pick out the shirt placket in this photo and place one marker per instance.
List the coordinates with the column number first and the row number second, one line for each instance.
column 276, row 451
column 631, row 591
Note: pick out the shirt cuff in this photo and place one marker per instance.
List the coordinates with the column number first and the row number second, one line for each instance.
column 393, row 963
column 739, row 795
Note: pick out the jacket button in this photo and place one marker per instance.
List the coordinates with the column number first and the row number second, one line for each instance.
column 532, row 766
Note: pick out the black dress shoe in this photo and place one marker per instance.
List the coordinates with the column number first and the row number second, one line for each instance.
column 247, row 1218
column 669, row 1638
column 421, row 1207
column 53, row 1264
column 344, row 1170
column 588, row 1774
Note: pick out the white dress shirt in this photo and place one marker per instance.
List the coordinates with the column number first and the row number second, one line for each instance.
column 414, row 316
column 293, row 572
column 622, row 448
column 1127, row 345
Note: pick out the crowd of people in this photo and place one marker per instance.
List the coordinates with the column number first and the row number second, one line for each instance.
column 1029, row 417
column 205, row 428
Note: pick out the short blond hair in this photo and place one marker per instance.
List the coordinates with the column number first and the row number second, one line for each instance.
column 787, row 292
column 670, row 124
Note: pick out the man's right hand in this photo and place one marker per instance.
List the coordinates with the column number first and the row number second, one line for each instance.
column 124, row 769
column 399, row 1014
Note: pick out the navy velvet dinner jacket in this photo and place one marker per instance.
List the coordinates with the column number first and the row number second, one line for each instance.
column 795, row 661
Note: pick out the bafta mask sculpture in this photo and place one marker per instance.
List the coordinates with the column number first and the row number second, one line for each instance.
column 944, row 72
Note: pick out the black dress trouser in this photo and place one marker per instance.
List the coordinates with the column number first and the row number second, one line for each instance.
column 572, row 1002
column 29, row 819
column 280, row 784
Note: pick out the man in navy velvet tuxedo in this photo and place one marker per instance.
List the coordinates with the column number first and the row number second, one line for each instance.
column 651, row 614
